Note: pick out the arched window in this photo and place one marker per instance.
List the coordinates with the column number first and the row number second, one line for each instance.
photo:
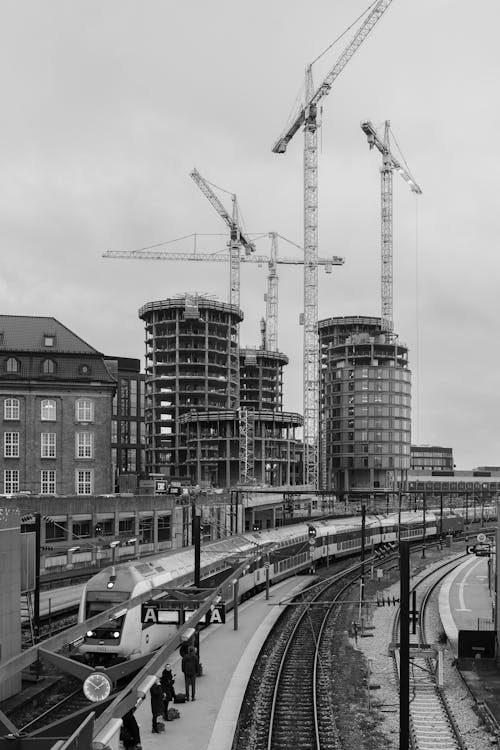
column 84, row 410
column 48, row 410
column 12, row 365
column 11, row 408
column 48, row 366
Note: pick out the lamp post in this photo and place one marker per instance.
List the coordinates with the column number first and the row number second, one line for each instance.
column 423, row 535
column 114, row 546
column 71, row 550
column 36, row 603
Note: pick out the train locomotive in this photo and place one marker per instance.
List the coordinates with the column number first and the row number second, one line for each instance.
column 284, row 551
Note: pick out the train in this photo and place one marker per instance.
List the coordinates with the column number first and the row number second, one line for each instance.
column 277, row 553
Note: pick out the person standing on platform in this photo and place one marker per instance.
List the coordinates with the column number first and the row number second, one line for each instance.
column 184, row 647
column 156, row 703
column 129, row 734
column 190, row 668
column 167, row 683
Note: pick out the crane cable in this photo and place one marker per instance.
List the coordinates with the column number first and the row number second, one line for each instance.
column 344, row 32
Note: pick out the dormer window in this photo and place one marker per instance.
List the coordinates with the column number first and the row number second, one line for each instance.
column 48, row 367
column 49, row 340
column 12, row 365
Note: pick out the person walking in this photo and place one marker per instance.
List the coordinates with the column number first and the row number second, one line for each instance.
column 167, row 683
column 156, row 693
column 190, row 668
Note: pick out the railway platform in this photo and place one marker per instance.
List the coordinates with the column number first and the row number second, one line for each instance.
column 465, row 603
column 228, row 657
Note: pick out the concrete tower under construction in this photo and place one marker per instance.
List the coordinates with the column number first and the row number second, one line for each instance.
column 365, row 418
column 214, row 412
column 192, row 364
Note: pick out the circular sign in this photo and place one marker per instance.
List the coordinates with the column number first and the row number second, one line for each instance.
column 481, row 538
column 312, row 542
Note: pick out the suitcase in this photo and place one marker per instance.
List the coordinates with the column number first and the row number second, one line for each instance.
column 180, row 698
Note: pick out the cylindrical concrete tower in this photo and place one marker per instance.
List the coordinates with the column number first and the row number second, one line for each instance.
column 261, row 379
column 365, row 418
column 192, row 365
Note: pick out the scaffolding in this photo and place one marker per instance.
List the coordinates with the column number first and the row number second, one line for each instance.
column 247, row 446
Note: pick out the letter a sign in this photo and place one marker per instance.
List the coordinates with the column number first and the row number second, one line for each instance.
column 218, row 615
column 149, row 614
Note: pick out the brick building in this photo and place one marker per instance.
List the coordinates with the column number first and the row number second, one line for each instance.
column 55, row 410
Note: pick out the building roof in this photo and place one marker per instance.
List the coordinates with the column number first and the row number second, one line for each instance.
column 28, row 333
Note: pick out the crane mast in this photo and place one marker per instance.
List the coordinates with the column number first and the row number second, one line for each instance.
column 307, row 116
column 271, row 329
column 389, row 164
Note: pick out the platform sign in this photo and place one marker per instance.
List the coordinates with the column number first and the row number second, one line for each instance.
column 153, row 613
column 481, row 550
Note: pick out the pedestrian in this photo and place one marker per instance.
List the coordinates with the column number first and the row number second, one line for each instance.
column 156, row 703
column 184, row 647
column 190, row 668
column 167, row 683
column 129, row 733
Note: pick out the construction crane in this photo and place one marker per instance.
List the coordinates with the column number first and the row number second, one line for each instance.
column 223, row 257
column 307, row 116
column 389, row 164
column 237, row 239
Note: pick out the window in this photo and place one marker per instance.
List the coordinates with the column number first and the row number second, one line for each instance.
column 48, row 366
column 82, row 530
column 12, row 365
column 126, row 526
column 84, row 410
column 48, row 410
column 49, row 340
column 11, row 444
column 48, row 445
column 164, row 530
column 84, row 482
column 48, row 482
column 11, row 481
column 84, row 445
column 11, row 408
column 56, row 531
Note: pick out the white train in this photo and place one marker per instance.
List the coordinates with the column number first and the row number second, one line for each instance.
column 286, row 550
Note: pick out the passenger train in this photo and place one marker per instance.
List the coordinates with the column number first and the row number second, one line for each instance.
column 286, row 551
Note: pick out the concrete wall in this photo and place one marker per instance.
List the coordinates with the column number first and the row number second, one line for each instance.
column 10, row 588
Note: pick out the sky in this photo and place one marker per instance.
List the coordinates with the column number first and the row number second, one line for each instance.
column 107, row 105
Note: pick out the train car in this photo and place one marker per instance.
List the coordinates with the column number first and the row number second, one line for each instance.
column 451, row 523
column 279, row 553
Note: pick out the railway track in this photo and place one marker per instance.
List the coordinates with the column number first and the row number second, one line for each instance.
column 432, row 725
column 289, row 698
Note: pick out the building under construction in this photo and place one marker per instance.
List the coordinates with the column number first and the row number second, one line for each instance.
column 365, row 405
column 214, row 412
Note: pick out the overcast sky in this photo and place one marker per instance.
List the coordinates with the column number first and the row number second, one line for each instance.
column 108, row 104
